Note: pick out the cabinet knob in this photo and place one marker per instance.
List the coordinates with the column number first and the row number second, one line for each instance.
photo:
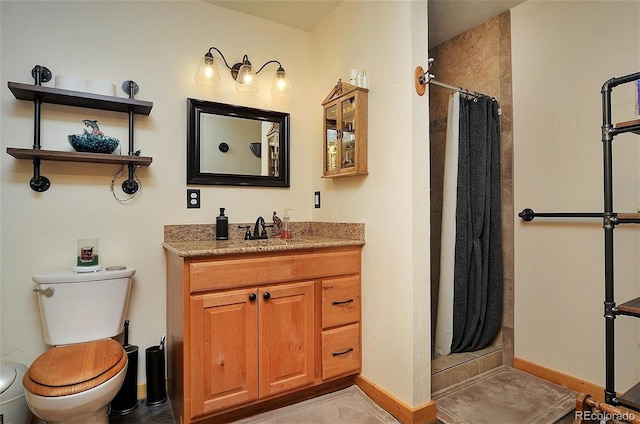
column 266, row 296
column 252, row 297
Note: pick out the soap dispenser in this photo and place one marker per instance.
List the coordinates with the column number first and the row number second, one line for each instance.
column 222, row 226
column 286, row 226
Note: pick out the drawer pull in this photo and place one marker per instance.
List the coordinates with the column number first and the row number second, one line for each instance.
column 342, row 302
column 344, row 352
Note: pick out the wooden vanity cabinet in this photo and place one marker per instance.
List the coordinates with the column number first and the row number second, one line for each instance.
column 246, row 328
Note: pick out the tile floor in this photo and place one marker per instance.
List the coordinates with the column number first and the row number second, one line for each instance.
column 162, row 414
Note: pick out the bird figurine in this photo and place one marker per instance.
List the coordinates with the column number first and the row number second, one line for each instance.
column 277, row 224
column 91, row 127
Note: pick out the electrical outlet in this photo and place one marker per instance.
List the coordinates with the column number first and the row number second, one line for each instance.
column 193, row 198
column 316, row 200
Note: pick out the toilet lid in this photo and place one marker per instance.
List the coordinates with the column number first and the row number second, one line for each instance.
column 70, row 369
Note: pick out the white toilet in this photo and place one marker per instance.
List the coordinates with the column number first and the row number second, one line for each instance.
column 77, row 379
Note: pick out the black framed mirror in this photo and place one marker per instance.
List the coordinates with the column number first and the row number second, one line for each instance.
column 236, row 145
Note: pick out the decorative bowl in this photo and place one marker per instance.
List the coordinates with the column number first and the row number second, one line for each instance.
column 93, row 143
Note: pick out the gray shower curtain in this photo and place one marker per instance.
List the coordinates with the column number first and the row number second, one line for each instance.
column 478, row 286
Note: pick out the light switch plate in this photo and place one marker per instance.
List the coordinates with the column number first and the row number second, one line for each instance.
column 316, row 200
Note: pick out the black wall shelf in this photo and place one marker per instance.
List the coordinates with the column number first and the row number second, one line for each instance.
column 79, row 98
column 39, row 94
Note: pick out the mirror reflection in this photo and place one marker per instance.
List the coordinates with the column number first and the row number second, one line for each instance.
column 235, row 145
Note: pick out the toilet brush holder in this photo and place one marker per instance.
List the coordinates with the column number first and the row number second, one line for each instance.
column 127, row 398
column 156, row 386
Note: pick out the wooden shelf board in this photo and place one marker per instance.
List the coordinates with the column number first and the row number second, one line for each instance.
column 631, row 398
column 629, row 217
column 56, row 155
column 627, row 124
column 631, row 307
column 78, row 98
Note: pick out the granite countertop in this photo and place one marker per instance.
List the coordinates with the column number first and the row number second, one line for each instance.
column 199, row 239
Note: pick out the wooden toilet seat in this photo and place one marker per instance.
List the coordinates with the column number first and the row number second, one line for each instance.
column 71, row 369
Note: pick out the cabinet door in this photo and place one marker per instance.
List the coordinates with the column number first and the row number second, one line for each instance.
column 224, row 350
column 286, row 337
column 348, row 134
column 331, row 135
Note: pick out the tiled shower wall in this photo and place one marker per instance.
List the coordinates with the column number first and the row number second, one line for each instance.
column 478, row 60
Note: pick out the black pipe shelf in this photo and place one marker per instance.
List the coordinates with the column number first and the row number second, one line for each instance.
column 610, row 219
column 39, row 94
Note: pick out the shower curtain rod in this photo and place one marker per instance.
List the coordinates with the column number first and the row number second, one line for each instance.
column 424, row 78
column 452, row 88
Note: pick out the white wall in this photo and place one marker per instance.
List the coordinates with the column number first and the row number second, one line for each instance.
column 159, row 44
column 393, row 200
column 562, row 54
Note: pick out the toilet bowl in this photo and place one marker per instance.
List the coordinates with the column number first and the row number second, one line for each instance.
column 76, row 380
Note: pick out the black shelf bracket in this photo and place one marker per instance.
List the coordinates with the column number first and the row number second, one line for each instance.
column 610, row 310
column 39, row 182
column 130, row 186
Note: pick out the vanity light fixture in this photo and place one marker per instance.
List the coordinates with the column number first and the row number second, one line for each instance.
column 242, row 73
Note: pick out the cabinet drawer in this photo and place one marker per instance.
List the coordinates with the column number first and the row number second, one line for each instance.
column 341, row 351
column 340, row 301
column 246, row 270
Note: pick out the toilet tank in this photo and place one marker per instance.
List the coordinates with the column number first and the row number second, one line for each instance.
column 81, row 307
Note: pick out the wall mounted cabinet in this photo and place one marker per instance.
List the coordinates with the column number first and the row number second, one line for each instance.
column 39, row 94
column 345, row 131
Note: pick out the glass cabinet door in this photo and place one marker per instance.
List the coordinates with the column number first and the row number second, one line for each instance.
column 331, row 138
column 348, row 145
